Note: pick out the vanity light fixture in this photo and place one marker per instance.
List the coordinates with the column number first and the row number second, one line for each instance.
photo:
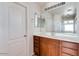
column 57, row 5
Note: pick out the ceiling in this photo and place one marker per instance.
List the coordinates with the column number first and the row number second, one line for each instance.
column 41, row 4
column 62, row 9
column 57, row 10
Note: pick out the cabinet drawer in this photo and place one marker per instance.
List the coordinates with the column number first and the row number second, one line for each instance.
column 69, row 51
column 36, row 52
column 35, row 41
column 36, row 45
column 69, row 45
column 36, row 37
column 36, row 48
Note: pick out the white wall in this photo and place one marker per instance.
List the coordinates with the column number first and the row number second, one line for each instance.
column 31, row 9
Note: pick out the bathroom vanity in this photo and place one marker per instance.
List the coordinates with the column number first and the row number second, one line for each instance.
column 64, row 23
column 55, row 46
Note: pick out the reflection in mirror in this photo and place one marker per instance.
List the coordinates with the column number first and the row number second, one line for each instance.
column 35, row 20
column 68, row 20
column 61, row 19
column 68, row 26
column 39, row 21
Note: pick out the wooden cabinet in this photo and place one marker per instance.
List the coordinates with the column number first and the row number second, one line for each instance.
column 54, row 47
column 36, row 42
column 44, row 46
column 49, row 47
column 53, row 50
column 69, row 48
column 78, row 49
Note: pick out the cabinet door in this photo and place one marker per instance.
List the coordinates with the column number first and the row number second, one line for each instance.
column 78, row 49
column 43, row 49
column 54, row 47
column 49, row 47
column 69, row 48
column 53, row 50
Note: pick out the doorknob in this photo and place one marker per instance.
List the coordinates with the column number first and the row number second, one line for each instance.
column 25, row 35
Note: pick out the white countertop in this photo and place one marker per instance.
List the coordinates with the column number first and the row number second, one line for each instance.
column 60, row 36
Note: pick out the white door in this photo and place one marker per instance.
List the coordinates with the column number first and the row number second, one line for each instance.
column 17, row 29
column 12, row 29
column 3, row 29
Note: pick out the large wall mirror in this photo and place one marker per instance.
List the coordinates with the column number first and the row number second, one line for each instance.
column 61, row 19
column 39, row 21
